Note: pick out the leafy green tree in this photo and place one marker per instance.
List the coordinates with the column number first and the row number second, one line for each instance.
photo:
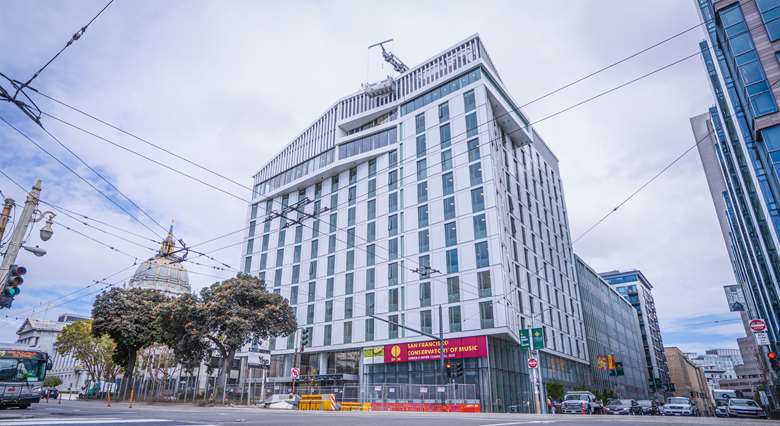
column 230, row 315
column 178, row 322
column 94, row 353
column 52, row 381
column 555, row 390
column 128, row 317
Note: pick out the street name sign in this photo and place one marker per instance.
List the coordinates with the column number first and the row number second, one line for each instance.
column 536, row 338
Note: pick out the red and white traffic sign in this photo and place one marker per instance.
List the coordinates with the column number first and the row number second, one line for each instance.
column 757, row 325
column 295, row 373
column 532, row 363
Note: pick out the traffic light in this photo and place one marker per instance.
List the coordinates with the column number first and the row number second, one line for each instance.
column 450, row 371
column 305, row 337
column 458, row 371
column 773, row 361
column 12, row 283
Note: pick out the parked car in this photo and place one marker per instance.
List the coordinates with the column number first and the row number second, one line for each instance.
column 624, row 406
column 577, row 402
column 738, row 407
column 649, row 407
column 679, row 406
column 721, row 411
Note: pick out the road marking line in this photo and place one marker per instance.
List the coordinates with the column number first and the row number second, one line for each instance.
column 80, row 421
column 529, row 422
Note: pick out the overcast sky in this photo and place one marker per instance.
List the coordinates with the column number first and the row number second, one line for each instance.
column 228, row 84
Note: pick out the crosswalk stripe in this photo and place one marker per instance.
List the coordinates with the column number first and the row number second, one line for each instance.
column 80, row 421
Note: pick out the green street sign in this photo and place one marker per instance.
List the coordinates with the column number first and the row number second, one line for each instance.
column 537, row 337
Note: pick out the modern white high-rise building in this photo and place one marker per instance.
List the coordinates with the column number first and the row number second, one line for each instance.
column 428, row 192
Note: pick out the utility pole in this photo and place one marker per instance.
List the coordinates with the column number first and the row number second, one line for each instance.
column 20, row 228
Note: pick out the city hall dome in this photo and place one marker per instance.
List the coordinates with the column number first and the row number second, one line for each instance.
column 164, row 271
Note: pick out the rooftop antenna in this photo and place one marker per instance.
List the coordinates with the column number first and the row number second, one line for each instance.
column 391, row 59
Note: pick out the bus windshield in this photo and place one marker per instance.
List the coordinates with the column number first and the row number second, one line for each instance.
column 22, row 370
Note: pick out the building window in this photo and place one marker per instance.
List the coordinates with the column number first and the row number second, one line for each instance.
column 454, row 318
column 310, row 314
column 392, row 249
column 446, row 160
column 279, row 257
column 331, row 265
column 419, row 123
column 423, row 241
column 332, row 240
column 469, row 101
column 392, row 202
column 392, row 158
column 453, row 289
column 473, row 149
column 352, row 195
column 422, row 216
column 445, row 136
column 424, row 263
column 450, row 234
column 328, row 311
column 486, row 314
column 392, row 225
column 348, row 332
column 370, row 255
column 312, row 291
column 425, row 294
column 392, row 328
column 449, row 208
column 426, row 322
column 392, row 300
column 350, row 260
column 326, row 334
column 480, row 227
column 447, row 183
column 444, row 112
column 770, row 12
column 370, row 304
column 329, row 284
column 452, row 261
column 333, row 223
column 312, row 269
column 247, row 264
column 277, row 278
column 296, row 274
column 422, row 169
column 369, row 329
column 392, row 180
column 475, row 173
column 371, row 231
column 421, row 149
column 471, row 125
column 353, row 176
column 483, row 280
column 422, row 192
column 347, row 307
column 297, row 254
column 294, row 295
column 372, row 167
column 349, row 283
column 370, row 278
column 392, row 274
column 477, row 200
column 371, row 207
column 372, row 188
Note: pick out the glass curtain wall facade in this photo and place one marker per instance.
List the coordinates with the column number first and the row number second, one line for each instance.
column 612, row 328
column 456, row 207
column 637, row 290
column 740, row 147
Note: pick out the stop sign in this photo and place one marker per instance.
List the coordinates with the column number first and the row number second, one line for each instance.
column 757, row 325
column 532, row 363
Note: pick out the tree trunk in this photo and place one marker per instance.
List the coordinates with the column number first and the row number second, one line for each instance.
column 226, row 372
column 127, row 378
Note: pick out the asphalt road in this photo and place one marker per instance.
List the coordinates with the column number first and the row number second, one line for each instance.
column 96, row 413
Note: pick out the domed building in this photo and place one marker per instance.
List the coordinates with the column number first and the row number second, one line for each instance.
column 164, row 272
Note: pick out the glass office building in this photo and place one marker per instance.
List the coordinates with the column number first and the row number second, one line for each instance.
column 637, row 290
column 612, row 328
column 432, row 204
column 739, row 144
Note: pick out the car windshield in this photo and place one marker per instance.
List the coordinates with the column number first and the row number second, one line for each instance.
column 576, row 397
column 743, row 402
column 645, row 403
column 677, row 401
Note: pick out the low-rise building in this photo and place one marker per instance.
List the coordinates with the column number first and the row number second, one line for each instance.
column 612, row 328
column 689, row 381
